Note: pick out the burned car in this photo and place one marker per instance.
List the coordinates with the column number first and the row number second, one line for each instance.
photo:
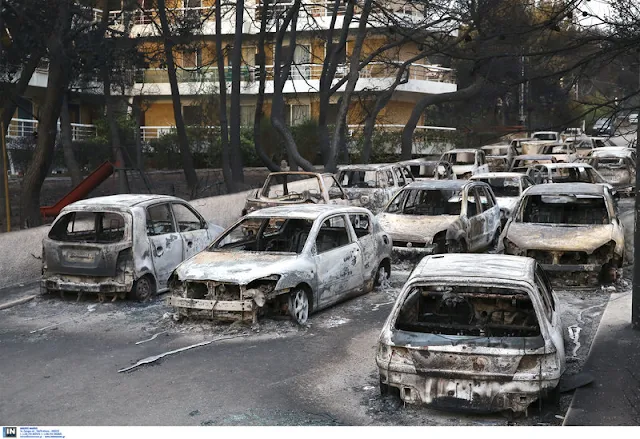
column 372, row 186
column 287, row 188
column 440, row 216
column 507, row 187
column 121, row 245
column 567, row 173
column 568, row 228
column 302, row 259
column 466, row 162
column 425, row 169
column 499, row 156
column 473, row 332
column 616, row 168
column 521, row 163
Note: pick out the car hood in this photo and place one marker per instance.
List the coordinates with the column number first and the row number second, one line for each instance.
column 507, row 203
column 233, row 266
column 415, row 227
column 553, row 237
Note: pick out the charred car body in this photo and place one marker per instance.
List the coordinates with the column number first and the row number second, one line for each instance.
column 466, row 162
column 499, row 156
column 521, row 163
column 439, row 216
column 300, row 260
column 288, row 188
column 121, row 244
column 372, row 186
column 507, row 188
column 473, row 332
column 568, row 227
column 567, row 173
column 617, row 167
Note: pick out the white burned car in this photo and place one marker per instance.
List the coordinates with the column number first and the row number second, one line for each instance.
column 473, row 332
column 568, row 228
column 466, row 162
column 438, row 216
column 299, row 260
column 121, row 245
column 507, row 187
column 372, row 186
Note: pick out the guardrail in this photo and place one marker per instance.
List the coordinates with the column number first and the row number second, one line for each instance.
column 28, row 127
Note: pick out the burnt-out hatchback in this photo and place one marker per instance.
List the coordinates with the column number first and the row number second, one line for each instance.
column 571, row 228
column 473, row 332
column 121, row 245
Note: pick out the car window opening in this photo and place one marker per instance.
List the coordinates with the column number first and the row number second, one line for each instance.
column 89, row 227
column 565, row 209
column 503, row 187
column 430, row 202
column 274, row 235
column 468, row 311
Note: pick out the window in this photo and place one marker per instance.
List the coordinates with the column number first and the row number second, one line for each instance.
column 192, row 58
column 159, row 220
column 247, row 115
column 335, row 191
column 193, row 115
column 545, row 292
column 332, row 234
column 300, row 114
column 187, row 220
column 98, row 227
column 361, row 223
column 473, row 205
column 485, row 198
column 400, row 177
column 340, row 57
column 390, row 179
column 407, row 174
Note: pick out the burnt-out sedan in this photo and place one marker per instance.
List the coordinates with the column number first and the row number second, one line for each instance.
column 473, row 332
column 297, row 260
column 122, row 245
column 439, row 216
column 570, row 228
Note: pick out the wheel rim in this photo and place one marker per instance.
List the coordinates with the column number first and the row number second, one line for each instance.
column 299, row 305
column 143, row 289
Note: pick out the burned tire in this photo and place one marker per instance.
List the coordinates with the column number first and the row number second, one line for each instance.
column 608, row 274
column 384, row 388
column 299, row 306
column 383, row 273
column 143, row 289
column 457, row 246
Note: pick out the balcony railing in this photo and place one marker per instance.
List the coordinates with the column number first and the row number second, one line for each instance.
column 148, row 16
column 27, row 127
column 418, row 72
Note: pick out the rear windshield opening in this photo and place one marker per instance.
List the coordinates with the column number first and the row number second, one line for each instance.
column 468, row 311
column 461, row 158
column 565, row 209
column 292, row 187
column 504, row 187
column 361, row 179
column 97, row 227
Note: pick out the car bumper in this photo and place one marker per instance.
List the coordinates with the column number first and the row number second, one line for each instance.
column 233, row 309
column 88, row 285
column 414, row 252
column 475, row 394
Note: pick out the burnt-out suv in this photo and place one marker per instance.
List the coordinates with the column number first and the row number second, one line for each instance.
column 121, row 245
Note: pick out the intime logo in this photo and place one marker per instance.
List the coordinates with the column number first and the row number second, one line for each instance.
column 10, row 432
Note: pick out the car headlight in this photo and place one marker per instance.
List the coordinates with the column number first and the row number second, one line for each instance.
column 364, row 199
column 605, row 251
column 511, row 249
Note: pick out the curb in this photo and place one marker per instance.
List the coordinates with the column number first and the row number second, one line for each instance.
column 17, row 302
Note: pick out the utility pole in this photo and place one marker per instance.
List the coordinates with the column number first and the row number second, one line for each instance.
column 5, row 177
column 635, row 293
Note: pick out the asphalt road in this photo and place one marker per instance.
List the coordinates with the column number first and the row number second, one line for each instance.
column 60, row 363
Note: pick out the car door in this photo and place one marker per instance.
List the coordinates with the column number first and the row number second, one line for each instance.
column 335, row 193
column 490, row 214
column 475, row 220
column 481, row 163
column 338, row 261
column 193, row 229
column 363, row 227
column 552, row 314
column 165, row 242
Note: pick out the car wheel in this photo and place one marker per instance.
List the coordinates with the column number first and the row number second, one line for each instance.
column 299, row 306
column 383, row 273
column 142, row 289
column 384, row 388
column 458, row 246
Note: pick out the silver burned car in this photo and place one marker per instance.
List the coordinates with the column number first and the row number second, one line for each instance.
column 279, row 260
column 473, row 332
column 441, row 216
column 121, row 245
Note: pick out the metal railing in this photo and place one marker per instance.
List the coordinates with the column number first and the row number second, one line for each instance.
column 27, row 127
column 148, row 16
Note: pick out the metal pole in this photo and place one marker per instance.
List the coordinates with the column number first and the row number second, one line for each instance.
column 635, row 292
column 5, row 158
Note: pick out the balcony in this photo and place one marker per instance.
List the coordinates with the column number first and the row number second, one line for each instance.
column 27, row 128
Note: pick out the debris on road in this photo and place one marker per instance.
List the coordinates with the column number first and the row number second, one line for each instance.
column 17, row 302
column 153, row 337
column 154, row 358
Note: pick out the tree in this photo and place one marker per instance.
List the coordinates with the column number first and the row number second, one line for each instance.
column 224, row 125
column 236, row 66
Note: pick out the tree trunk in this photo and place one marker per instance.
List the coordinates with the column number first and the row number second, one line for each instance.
column 58, row 82
column 282, row 69
column 66, row 138
column 235, row 151
column 114, row 130
column 433, row 99
column 259, row 114
column 354, row 74
column 224, row 124
column 183, row 141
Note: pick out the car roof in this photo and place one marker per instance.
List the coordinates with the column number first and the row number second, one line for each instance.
column 438, row 184
column 422, row 161
column 565, row 165
column 372, row 166
column 311, row 174
column 497, row 175
column 566, row 189
column 469, row 150
column 305, row 211
column 496, row 145
column 122, row 201
column 534, row 157
column 468, row 265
